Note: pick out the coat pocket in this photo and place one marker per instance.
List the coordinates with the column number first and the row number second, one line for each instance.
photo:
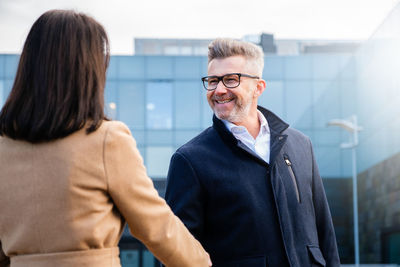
column 292, row 176
column 316, row 257
column 256, row 261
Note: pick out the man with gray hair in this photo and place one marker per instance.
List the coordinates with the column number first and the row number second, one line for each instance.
column 248, row 188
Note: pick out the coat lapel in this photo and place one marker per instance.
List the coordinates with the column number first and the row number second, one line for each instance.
column 276, row 125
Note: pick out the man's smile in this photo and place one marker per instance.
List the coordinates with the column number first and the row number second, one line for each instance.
column 223, row 101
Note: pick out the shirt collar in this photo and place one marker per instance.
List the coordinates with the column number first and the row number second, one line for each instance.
column 233, row 128
column 263, row 122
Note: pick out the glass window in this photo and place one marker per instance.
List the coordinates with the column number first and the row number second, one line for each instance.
column 298, row 104
column 171, row 50
column 11, row 64
column 327, row 104
column 186, row 50
column 131, row 67
column 110, row 100
column 182, row 137
column 391, row 242
column 139, row 136
column 129, row 257
column 159, row 105
column 142, row 151
column 187, row 105
column 328, row 137
column 373, row 146
column 1, row 94
column 347, row 68
column 207, row 112
column 1, row 66
column 7, row 86
column 272, row 98
column 297, row 67
column 188, row 68
column 308, row 132
column 325, row 67
column 157, row 137
column 112, row 69
column 346, row 160
column 273, row 68
column 150, row 49
column 347, row 97
column 319, row 89
column 392, row 137
column 200, row 50
column 157, row 160
column 148, row 259
column 204, row 67
column 2, row 100
column 159, row 67
column 328, row 160
column 131, row 104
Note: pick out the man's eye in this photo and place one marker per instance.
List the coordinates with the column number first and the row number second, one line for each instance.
column 212, row 81
column 230, row 80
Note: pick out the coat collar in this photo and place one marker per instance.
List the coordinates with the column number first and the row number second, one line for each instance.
column 276, row 125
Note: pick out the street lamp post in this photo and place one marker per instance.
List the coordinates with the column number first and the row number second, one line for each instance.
column 352, row 127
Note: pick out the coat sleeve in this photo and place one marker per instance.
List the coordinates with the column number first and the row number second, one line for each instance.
column 185, row 195
column 4, row 260
column 326, row 232
column 149, row 218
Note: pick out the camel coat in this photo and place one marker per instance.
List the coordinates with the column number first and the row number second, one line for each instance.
column 64, row 203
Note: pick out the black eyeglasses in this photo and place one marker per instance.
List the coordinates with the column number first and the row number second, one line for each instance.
column 230, row 80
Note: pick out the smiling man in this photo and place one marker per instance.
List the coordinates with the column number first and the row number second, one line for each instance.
column 248, row 187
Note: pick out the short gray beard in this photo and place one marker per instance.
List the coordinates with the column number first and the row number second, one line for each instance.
column 238, row 114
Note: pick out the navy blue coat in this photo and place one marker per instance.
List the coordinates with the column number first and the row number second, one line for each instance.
column 246, row 212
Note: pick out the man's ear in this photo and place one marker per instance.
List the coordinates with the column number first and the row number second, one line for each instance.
column 261, row 85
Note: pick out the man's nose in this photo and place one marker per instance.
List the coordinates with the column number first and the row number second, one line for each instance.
column 221, row 88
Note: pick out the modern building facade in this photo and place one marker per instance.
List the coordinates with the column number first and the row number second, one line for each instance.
column 270, row 46
column 171, row 47
column 161, row 99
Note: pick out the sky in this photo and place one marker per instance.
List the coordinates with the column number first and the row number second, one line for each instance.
column 125, row 20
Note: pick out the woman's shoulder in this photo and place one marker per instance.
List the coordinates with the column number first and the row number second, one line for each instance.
column 114, row 127
column 115, row 131
column 108, row 130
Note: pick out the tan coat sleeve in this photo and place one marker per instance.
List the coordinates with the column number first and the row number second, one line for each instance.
column 149, row 218
column 4, row 260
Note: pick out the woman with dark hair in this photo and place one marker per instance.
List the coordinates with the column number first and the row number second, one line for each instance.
column 70, row 178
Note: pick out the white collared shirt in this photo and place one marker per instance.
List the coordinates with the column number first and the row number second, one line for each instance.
column 260, row 145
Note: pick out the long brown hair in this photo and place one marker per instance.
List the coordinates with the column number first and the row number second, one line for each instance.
column 59, row 85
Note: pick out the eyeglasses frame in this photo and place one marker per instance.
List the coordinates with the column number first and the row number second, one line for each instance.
column 220, row 78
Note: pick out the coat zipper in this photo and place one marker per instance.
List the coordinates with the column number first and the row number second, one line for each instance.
column 289, row 164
